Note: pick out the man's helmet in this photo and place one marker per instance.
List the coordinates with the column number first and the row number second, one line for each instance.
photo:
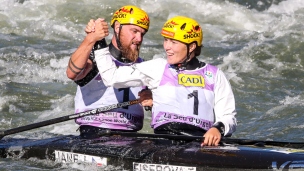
column 183, row 29
column 131, row 15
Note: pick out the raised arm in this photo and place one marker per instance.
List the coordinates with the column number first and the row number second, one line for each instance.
column 79, row 65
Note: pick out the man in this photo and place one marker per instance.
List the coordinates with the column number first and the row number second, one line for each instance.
column 129, row 24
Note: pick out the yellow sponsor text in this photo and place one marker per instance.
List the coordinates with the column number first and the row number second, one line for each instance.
column 191, row 80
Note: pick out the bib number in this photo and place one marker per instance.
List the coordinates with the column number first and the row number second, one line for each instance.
column 194, row 94
column 126, row 92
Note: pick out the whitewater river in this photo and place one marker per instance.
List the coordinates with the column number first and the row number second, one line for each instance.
column 258, row 44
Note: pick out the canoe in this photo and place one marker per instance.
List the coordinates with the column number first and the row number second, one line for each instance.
column 140, row 152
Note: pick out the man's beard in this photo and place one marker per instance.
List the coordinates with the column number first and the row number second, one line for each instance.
column 127, row 52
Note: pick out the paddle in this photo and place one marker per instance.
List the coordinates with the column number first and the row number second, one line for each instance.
column 226, row 140
column 66, row 118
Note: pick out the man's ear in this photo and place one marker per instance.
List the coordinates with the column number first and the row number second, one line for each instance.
column 192, row 47
column 116, row 27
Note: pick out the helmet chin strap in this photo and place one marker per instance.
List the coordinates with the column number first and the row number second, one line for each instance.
column 119, row 46
column 117, row 36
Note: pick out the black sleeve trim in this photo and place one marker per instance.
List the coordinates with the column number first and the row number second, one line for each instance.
column 94, row 71
column 220, row 126
column 82, row 82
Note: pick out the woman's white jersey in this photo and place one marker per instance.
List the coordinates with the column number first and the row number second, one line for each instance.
column 199, row 97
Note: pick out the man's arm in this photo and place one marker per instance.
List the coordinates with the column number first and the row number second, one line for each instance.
column 94, row 70
column 79, row 64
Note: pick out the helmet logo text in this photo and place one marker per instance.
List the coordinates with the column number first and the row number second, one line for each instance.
column 119, row 16
column 122, row 13
column 170, row 24
column 193, row 33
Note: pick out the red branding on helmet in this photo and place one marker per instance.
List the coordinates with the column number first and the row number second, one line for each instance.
column 194, row 29
column 122, row 13
column 144, row 21
column 124, row 10
column 167, row 33
column 170, row 24
column 193, row 33
column 146, row 18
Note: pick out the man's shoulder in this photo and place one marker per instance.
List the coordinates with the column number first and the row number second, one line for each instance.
column 152, row 64
column 157, row 60
column 101, row 53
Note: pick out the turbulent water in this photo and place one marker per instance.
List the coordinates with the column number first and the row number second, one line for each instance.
column 258, row 44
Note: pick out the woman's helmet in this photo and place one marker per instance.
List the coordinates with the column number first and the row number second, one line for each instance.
column 131, row 15
column 183, row 29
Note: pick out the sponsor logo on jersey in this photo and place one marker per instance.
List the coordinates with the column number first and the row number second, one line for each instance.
column 208, row 74
column 191, row 80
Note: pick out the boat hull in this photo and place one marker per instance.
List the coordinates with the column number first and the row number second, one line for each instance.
column 145, row 153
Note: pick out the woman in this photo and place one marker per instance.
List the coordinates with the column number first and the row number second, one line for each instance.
column 190, row 97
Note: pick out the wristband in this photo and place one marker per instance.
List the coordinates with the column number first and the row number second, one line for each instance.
column 220, row 127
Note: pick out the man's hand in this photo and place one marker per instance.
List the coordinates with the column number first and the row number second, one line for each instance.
column 97, row 29
column 90, row 26
column 212, row 137
column 145, row 97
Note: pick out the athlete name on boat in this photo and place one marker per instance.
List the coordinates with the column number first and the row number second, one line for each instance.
column 68, row 157
column 160, row 167
column 191, row 80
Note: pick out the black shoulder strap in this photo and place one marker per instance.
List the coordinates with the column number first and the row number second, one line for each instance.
column 94, row 71
column 98, row 45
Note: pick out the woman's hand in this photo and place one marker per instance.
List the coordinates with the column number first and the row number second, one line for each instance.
column 212, row 137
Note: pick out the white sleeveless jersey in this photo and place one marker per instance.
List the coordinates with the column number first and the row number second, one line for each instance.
column 95, row 95
column 186, row 97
